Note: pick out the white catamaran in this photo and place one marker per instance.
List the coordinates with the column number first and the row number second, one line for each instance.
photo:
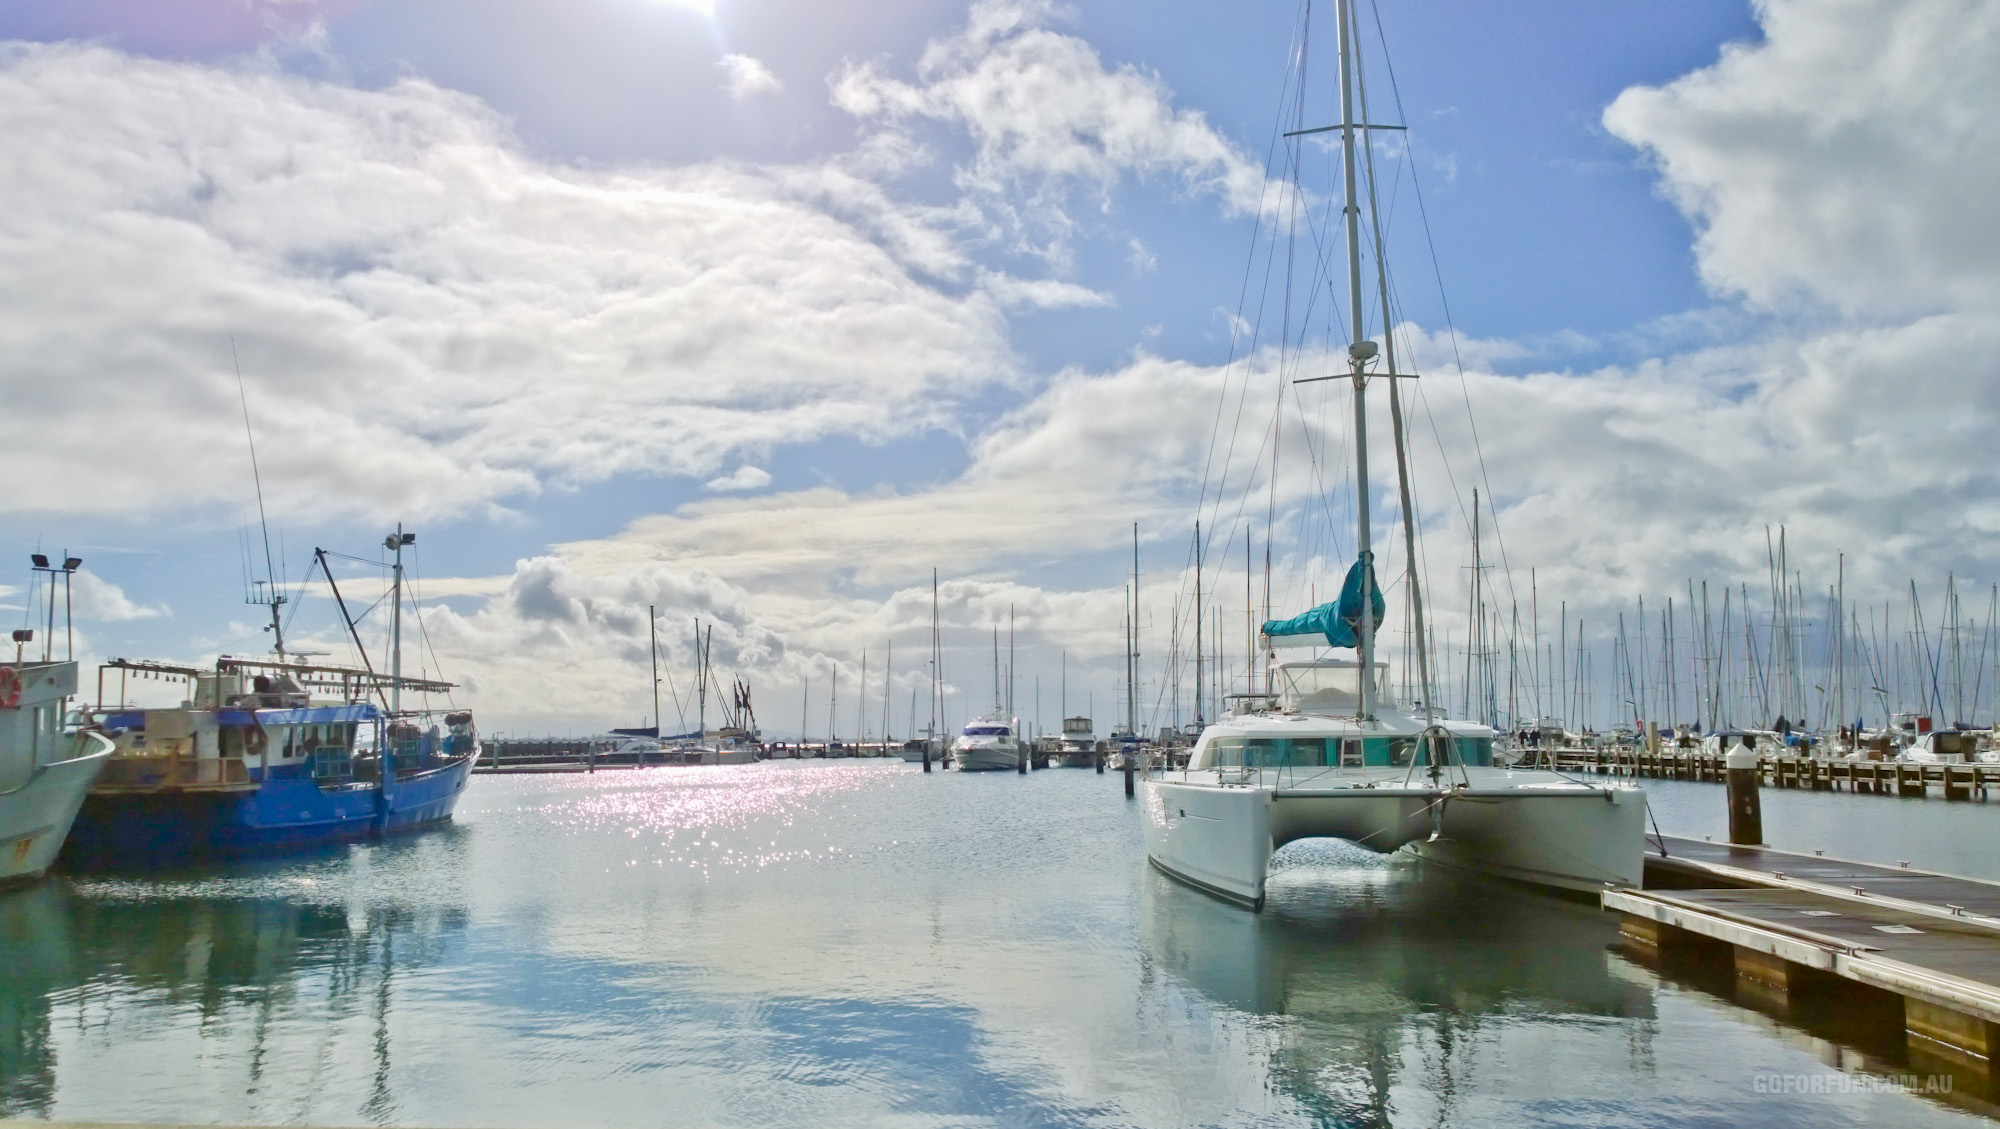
column 1325, row 752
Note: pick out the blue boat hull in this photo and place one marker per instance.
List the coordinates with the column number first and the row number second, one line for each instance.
column 280, row 815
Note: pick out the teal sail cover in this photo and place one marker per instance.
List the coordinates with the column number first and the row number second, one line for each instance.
column 1339, row 621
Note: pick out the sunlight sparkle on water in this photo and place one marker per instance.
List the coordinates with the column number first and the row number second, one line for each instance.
column 733, row 818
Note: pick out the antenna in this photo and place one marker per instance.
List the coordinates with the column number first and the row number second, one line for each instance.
column 276, row 598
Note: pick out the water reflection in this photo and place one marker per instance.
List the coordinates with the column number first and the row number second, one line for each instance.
column 1393, row 977
column 101, row 966
column 846, row 945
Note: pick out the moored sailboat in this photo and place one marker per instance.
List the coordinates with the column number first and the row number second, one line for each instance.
column 1324, row 751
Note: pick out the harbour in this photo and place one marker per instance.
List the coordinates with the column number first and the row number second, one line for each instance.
column 839, row 942
column 999, row 564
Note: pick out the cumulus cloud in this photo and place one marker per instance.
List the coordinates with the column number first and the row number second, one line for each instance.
column 1048, row 119
column 1848, row 158
column 99, row 599
column 745, row 477
column 430, row 321
column 746, row 77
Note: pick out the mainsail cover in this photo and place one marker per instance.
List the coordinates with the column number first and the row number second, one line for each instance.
column 1340, row 621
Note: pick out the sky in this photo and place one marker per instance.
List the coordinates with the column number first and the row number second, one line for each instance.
column 760, row 311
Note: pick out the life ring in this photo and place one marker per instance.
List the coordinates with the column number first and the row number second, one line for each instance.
column 10, row 687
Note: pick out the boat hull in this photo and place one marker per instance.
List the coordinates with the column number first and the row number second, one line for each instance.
column 36, row 817
column 275, row 817
column 1077, row 760
column 1220, row 837
column 986, row 759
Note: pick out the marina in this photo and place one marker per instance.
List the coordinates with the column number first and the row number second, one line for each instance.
column 568, row 949
column 999, row 564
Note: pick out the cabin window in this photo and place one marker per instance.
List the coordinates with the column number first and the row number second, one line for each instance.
column 1395, row 752
column 1262, row 752
column 1474, row 751
column 1225, row 752
column 1308, row 752
column 1350, row 752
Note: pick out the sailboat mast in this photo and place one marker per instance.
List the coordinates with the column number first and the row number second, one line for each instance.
column 1198, row 629
column 936, row 656
column 397, row 540
column 653, row 642
column 1132, row 659
column 1359, row 351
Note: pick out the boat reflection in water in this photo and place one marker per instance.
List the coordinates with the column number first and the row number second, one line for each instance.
column 1396, row 988
column 109, row 981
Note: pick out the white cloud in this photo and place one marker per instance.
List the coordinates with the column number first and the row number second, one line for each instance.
column 99, row 599
column 1047, row 119
column 745, row 477
column 1850, row 157
column 746, row 77
column 430, row 321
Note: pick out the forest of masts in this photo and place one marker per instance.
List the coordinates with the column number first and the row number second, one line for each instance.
column 1710, row 656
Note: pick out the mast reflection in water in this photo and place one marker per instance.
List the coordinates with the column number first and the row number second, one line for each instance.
column 848, row 944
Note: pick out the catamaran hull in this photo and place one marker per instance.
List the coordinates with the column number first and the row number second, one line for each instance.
column 36, row 817
column 987, row 760
column 279, row 816
column 1583, row 842
column 1220, row 837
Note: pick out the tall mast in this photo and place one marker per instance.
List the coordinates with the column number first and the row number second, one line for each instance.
column 1397, row 425
column 395, row 542
column 932, row 731
column 1359, row 352
column 1132, row 652
column 275, row 598
column 653, row 638
column 1199, row 722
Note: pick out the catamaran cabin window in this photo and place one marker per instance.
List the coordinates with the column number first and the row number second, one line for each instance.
column 1267, row 752
column 1476, row 751
column 986, row 731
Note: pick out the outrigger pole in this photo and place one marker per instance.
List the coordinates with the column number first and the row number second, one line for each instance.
column 320, row 556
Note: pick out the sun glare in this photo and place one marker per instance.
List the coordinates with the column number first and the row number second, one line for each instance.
column 700, row 7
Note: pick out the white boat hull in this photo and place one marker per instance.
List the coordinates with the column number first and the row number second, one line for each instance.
column 1077, row 760
column 1220, row 837
column 986, row 759
column 36, row 814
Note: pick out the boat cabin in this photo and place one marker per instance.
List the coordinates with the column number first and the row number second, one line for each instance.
column 1321, row 751
column 1327, row 686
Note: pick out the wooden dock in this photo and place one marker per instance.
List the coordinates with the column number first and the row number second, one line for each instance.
column 1803, row 931
column 1819, row 774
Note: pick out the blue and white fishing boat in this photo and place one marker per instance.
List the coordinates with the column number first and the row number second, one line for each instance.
column 272, row 755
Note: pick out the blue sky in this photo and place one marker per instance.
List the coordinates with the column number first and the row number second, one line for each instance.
column 411, row 205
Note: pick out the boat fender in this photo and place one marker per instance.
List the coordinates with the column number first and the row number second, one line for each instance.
column 10, row 688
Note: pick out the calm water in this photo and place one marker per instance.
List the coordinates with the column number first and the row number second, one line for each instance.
column 859, row 944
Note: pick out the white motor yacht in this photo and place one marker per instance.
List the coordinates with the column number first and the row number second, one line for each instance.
column 1079, row 744
column 46, row 767
column 988, row 744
